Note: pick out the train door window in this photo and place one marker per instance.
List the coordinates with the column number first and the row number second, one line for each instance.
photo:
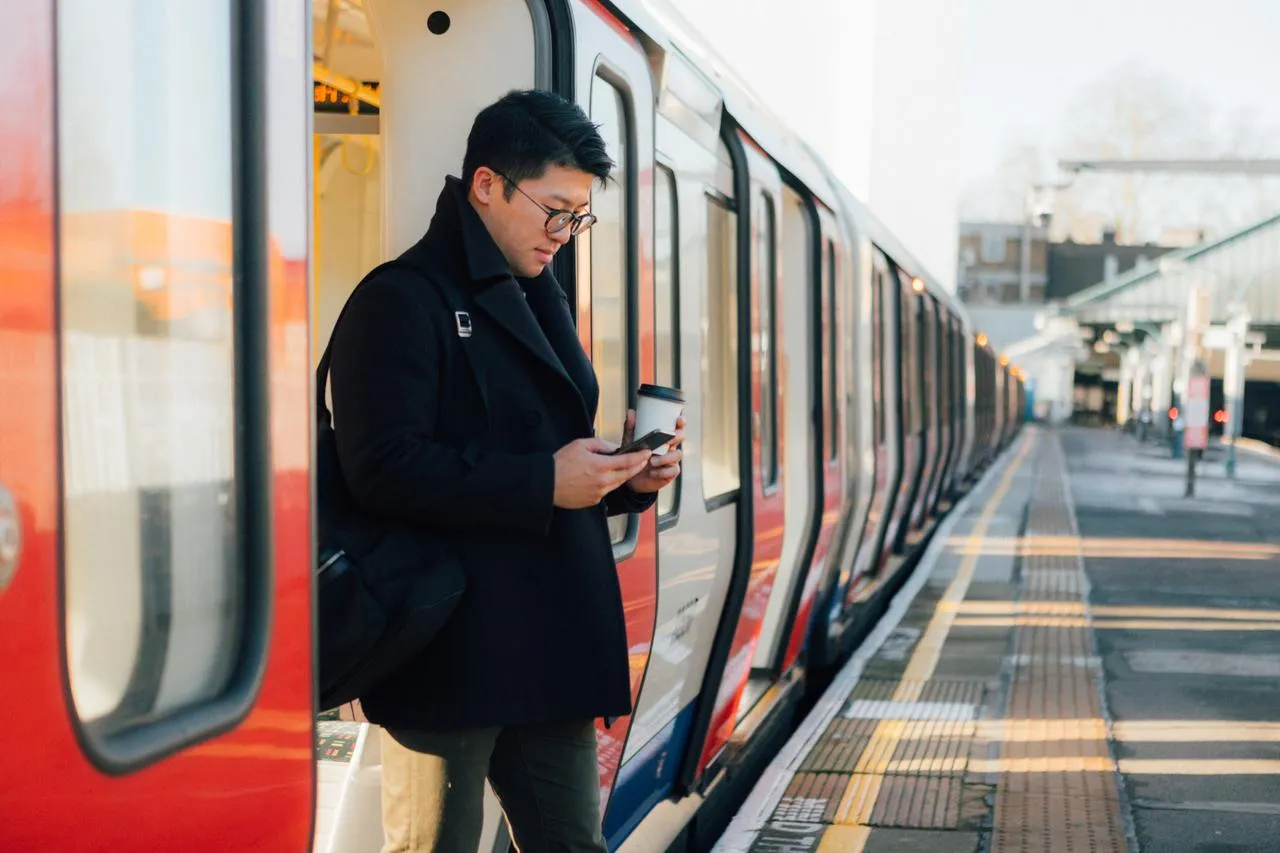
column 929, row 308
column 666, row 290
column 767, row 344
column 877, row 352
column 949, row 354
column 606, row 250
column 907, row 342
column 720, row 474
column 944, row 368
column 158, row 588
column 918, row 342
column 830, row 374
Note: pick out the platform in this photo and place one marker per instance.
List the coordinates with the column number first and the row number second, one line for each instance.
column 1084, row 661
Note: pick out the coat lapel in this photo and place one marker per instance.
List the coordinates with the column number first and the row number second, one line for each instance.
column 505, row 303
column 551, row 308
column 458, row 233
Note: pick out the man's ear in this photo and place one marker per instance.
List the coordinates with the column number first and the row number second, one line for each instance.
column 486, row 185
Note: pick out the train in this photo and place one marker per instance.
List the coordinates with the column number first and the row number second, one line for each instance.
column 189, row 194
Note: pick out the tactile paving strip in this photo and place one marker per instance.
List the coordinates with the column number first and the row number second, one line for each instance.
column 899, row 762
column 933, row 738
column 1057, row 790
column 915, row 803
column 840, row 746
column 812, row 798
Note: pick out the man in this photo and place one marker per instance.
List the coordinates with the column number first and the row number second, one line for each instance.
column 464, row 404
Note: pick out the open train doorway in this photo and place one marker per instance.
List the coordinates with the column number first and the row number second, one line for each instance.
column 396, row 84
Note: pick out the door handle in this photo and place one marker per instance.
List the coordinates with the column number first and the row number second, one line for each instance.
column 10, row 538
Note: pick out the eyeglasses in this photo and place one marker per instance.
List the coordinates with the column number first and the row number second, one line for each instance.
column 557, row 220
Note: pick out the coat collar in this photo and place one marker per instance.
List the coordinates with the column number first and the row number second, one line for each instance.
column 459, row 234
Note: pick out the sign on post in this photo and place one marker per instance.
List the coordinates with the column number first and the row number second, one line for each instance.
column 1196, row 434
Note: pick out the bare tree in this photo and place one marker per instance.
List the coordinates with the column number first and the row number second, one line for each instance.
column 1133, row 113
column 1001, row 195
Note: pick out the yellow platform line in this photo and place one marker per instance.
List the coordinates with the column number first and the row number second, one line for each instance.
column 860, row 795
column 842, row 839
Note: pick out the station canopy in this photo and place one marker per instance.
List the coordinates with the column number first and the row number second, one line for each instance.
column 1238, row 271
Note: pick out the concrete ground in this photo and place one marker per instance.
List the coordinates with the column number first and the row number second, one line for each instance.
column 1207, row 572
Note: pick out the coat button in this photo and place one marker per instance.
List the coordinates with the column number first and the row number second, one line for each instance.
column 532, row 419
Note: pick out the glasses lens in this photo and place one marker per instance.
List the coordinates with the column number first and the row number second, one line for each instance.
column 584, row 222
column 558, row 222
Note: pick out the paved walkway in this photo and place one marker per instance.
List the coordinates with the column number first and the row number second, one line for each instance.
column 1085, row 661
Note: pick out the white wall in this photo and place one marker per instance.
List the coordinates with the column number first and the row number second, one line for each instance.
column 875, row 87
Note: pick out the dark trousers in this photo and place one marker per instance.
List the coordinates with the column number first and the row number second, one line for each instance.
column 545, row 777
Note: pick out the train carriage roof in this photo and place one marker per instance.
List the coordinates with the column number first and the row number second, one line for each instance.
column 664, row 31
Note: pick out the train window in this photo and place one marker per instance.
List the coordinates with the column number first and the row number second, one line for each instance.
column 928, row 404
column 666, row 289
column 607, row 253
column 720, row 474
column 157, row 587
column 830, row 373
column 767, row 344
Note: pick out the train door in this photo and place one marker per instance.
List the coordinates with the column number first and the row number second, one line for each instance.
column 910, row 316
column 854, row 401
column 943, row 362
column 743, row 698
column 765, row 602
column 930, row 416
column 999, row 404
column 789, row 613
column 954, row 415
column 154, row 478
column 938, row 402
column 864, row 362
column 985, row 373
column 695, row 263
column 836, row 466
column 968, row 380
column 890, row 412
column 615, row 309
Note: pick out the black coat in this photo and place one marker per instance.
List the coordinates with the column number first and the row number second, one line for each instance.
column 539, row 635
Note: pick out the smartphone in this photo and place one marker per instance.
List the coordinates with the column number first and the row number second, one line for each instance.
column 649, row 441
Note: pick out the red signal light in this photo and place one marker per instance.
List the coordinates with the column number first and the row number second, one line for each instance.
column 1220, row 417
column 1173, row 413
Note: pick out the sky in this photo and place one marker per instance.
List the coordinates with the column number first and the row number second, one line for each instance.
column 1028, row 64
column 1026, row 60
column 1015, row 72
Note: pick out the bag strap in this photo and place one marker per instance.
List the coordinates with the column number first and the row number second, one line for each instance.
column 322, row 369
column 451, row 299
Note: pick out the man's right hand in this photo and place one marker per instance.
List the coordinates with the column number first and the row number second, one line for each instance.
column 585, row 473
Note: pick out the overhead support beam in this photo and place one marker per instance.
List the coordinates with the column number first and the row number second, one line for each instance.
column 1241, row 167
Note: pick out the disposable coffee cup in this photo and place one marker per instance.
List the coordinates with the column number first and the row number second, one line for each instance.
column 658, row 407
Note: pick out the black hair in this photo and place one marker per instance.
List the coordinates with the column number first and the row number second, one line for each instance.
column 525, row 132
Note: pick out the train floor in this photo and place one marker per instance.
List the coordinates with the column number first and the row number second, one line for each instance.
column 1084, row 660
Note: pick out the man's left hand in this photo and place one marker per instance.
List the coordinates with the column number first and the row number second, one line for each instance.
column 661, row 470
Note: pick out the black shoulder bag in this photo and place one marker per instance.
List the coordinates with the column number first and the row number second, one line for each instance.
column 383, row 590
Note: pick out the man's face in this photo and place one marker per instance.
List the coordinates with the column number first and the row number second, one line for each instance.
column 518, row 224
